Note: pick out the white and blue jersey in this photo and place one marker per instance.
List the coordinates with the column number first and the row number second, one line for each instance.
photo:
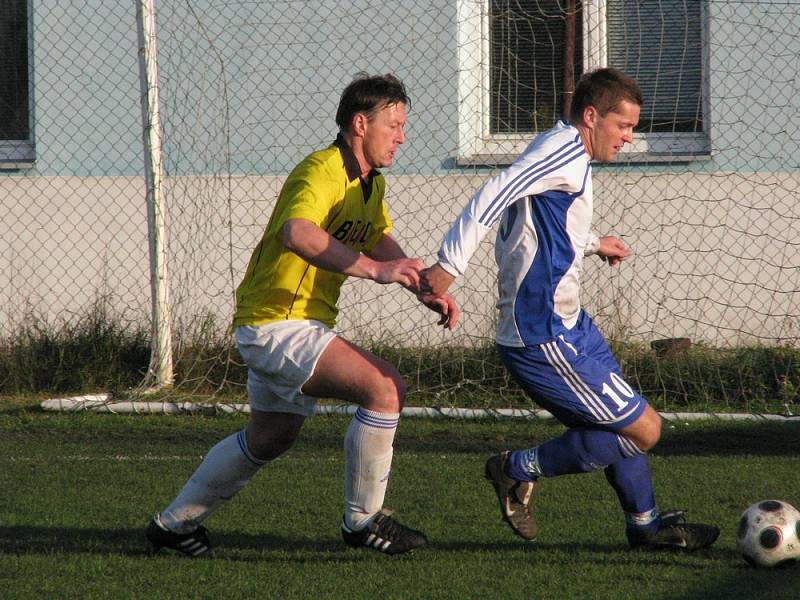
column 544, row 204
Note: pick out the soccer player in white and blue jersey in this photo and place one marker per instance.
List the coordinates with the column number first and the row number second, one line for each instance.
column 543, row 206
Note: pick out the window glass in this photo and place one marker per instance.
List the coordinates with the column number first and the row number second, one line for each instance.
column 529, row 52
column 658, row 43
column 14, row 122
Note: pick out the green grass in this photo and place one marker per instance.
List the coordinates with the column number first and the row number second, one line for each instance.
column 78, row 489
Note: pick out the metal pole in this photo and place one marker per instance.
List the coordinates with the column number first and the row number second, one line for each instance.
column 569, row 56
column 160, row 369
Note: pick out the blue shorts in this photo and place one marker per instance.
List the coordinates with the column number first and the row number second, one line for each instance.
column 576, row 378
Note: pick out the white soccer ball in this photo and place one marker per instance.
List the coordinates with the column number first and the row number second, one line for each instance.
column 768, row 534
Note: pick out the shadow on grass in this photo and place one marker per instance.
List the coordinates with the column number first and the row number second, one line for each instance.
column 694, row 439
column 29, row 540
column 740, row 582
column 731, row 439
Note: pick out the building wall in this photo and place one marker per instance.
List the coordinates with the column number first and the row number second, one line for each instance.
column 707, row 262
column 246, row 94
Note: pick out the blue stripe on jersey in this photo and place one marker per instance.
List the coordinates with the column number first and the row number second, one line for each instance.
column 370, row 420
column 564, row 155
column 554, row 255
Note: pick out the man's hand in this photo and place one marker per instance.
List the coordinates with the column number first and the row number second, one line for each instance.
column 404, row 271
column 612, row 250
column 444, row 305
column 386, row 264
column 434, row 281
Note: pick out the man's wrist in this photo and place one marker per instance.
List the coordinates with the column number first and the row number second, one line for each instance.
column 449, row 269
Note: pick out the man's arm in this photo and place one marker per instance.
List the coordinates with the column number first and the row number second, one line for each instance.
column 316, row 246
column 531, row 174
column 387, row 248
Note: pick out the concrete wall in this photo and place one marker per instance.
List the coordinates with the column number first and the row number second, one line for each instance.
column 714, row 254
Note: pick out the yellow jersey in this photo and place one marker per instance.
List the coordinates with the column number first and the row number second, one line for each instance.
column 326, row 189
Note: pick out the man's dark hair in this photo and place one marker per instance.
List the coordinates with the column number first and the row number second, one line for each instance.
column 367, row 94
column 604, row 89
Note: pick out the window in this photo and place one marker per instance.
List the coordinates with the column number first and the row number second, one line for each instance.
column 532, row 44
column 16, row 149
column 520, row 59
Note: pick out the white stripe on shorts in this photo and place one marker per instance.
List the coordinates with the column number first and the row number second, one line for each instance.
column 581, row 390
column 628, row 447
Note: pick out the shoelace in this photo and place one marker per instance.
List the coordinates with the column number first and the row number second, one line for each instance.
column 390, row 529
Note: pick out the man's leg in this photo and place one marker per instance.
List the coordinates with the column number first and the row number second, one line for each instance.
column 225, row 470
column 618, row 427
column 348, row 372
column 577, row 450
column 582, row 450
column 280, row 359
column 589, row 397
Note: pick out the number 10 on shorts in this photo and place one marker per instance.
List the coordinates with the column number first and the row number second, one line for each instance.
column 619, row 391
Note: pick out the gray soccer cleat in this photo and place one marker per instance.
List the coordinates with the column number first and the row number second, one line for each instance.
column 673, row 532
column 514, row 496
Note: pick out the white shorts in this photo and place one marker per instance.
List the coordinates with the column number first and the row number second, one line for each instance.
column 280, row 358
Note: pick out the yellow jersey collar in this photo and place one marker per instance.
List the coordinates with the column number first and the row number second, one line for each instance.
column 350, row 160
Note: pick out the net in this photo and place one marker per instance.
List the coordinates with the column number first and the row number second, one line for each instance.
column 707, row 198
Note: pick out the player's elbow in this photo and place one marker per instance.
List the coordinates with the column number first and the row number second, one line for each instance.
column 293, row 234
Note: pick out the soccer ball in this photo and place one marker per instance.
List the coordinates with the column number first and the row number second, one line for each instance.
column 769, row 533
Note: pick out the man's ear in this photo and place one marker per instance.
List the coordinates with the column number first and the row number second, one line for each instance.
column 590, row 116
column 358, row 127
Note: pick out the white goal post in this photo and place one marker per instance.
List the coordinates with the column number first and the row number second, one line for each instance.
column 160, row 373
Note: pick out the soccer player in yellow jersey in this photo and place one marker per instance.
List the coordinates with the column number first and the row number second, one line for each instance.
column 329, row 223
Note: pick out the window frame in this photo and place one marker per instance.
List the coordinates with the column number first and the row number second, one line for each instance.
column 477, row 146
column 21, row 154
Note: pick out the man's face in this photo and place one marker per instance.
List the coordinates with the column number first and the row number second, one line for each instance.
column 612, row 131
column 384, row 132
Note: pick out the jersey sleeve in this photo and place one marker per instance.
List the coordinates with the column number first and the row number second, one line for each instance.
column 308, row 193
column 593, row 247
column 543, row 166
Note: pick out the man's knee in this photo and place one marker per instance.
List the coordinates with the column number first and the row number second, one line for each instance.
column 651, row 433
column 648, row 442
column 268, row 439
column 387, row 394
column 645, row 431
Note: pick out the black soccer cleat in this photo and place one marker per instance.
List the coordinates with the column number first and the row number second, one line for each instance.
column 384, row 534
column 673, row 532
column 192, row 544
column 514, row 496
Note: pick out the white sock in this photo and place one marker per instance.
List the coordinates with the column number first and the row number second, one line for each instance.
column 226, row 469
column 367, row 461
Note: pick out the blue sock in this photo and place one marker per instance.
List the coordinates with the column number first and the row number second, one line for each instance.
column 630, row 478
column 577, row 450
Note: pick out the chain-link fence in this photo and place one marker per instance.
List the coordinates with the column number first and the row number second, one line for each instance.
column 707, row 199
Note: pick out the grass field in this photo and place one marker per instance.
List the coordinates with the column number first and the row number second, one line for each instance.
column 76, row 491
